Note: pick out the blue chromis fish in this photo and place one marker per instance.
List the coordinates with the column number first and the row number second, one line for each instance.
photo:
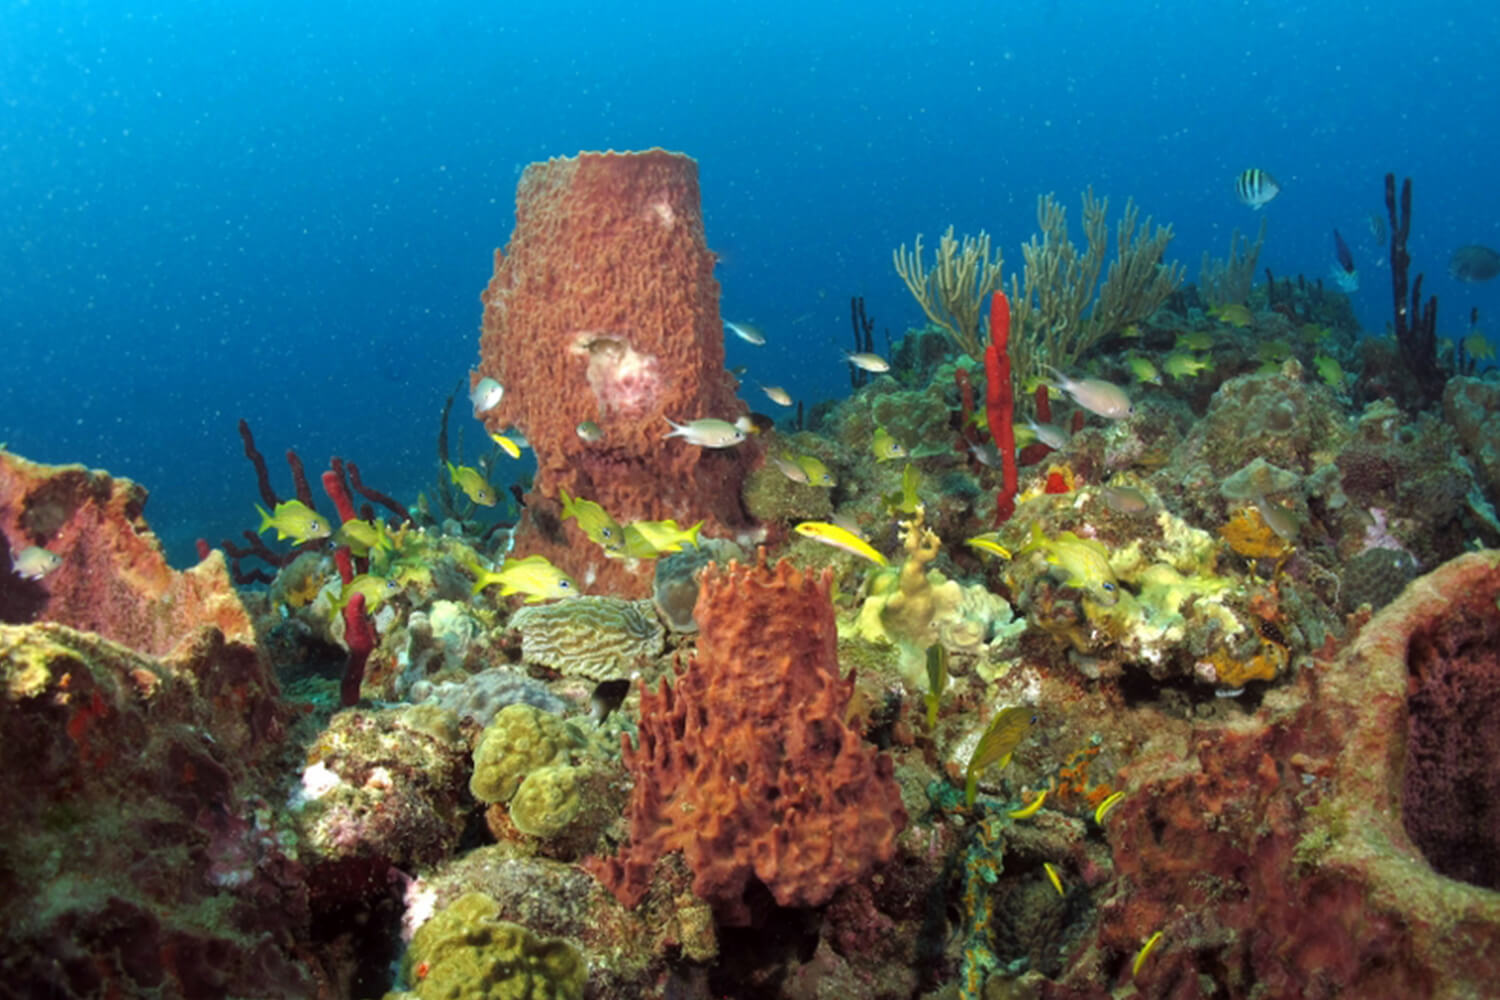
column 486, row 395
column 707, row 433
column 840, row 538
column 866, row 361
column 533, row 576
column 886, row 447
column 1083, row 561
column 1095, row 395
column 596, row 523
column 295, row 520
column 1256, row 187
column 749, row 334
column 648, row 539
column 1001, row 737
column 817, row 472
column 469, row 479
column 1051, row 435
column 33, row 562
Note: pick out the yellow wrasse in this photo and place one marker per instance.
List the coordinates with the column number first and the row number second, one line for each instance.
column 469, row 479
column 533, row 576
column 1031, row 808
column 988, row 544
column 1054, row 877
column 506, row 444
column 1140, row 956
column 840, row 538
column 295, row 520
column 596, row 523
column 1004, row 733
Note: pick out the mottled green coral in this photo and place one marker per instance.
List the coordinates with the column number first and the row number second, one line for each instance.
column 520, row 740
column 547, row 801
column 467, row 952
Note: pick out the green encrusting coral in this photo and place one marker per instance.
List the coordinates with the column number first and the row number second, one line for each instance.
column 467, row 952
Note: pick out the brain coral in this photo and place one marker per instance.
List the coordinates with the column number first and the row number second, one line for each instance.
column 601, row 638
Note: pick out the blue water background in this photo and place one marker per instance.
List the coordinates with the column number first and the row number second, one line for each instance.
column 286, row 212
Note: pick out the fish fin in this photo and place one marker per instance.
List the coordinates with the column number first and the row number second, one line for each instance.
column 265, row 520
column 569, row 510
column 677, row 429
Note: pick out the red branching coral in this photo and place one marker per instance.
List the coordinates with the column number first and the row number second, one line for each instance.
column 746, row 764
column 603, row 307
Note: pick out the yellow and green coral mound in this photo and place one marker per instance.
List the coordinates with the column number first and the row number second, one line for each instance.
column 467, row 952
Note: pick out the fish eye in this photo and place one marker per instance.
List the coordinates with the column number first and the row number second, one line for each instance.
column 606, row 533
column 1109, row 587
column 564, row 584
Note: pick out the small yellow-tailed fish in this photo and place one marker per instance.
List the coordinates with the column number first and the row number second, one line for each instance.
column 1095, row 395
column 375, row 588
column 596, row 523
column 817, row 472
column 1140, row 956
column 886, row 447
column 33, row 562
column 1106, row 806
column 776, row 394
column 1031, row 808
column 1004, row 733
column 664, row 536
column 507, row 444
column 706, row 433
column 533, row 576
column 295, row 520
column 989, row 544
column 469, row 479
column 840, row 538
column 868, row 362
column 749, row 334
column 362, row 536
column 1053, row 876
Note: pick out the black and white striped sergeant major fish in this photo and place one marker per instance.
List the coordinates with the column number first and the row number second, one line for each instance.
column 1255, row 187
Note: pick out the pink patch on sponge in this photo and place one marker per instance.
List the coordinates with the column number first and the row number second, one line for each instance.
column 625, row 382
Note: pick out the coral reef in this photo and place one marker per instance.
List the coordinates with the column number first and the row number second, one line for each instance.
column 796, row 802
column 601, row 638
column 603, row 307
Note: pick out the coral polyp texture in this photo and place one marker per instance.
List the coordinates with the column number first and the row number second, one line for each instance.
column 747, row 786
column 603, row 307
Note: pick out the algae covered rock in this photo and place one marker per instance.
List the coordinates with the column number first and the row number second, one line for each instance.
column 467, row 952
column 547, row 801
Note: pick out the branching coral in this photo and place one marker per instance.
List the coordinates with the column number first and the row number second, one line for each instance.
column 952, row 293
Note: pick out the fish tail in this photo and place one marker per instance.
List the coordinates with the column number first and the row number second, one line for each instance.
column 692, row 533
column 677, row 429
column 265, row 520
column 453, row 472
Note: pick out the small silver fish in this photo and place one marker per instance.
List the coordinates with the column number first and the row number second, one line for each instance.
column 33, row 563
column 987, row 454
column 790, row 469
column 1125, row 499
column 590, row 432
column 776, row 394
column 747, row 333
column 486, row 395
column 1051, row 435
column 1095, row 395
column 869, row 362
column 707, row 433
